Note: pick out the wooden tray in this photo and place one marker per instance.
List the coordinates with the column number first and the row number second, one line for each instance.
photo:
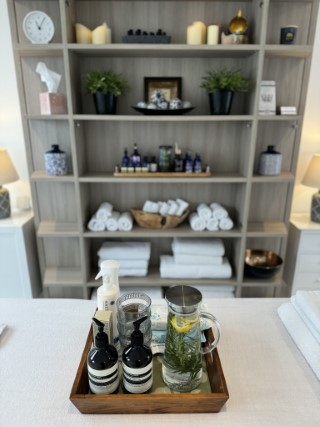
column 211, row 401
column 162, row 174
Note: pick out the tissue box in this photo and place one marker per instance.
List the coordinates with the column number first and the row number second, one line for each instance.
column 52, row 103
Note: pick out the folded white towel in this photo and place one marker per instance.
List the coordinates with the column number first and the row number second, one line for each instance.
column 173, row 207
column 209, row 247
column 95, row 224
column 307, row 304
column 125, row 250
column 112, row 222
column 150, row 207
column 125, row 221
column 204, row 211
column 182, row 206
column 130, row 263
column 164, row 209
column 216, row 288
column 212, row 224
column 301, row 335
column 218, row 211
column 169, row 269
column 196, row 222
column 104, row 211
column 196, row 259
column 139, row 272
column 226, row 224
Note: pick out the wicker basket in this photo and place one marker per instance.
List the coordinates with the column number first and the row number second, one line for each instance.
column 154, row 220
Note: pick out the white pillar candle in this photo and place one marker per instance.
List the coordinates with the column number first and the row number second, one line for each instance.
column 101, row 35
column 196, row 33
column 213, row 34
column 83, row 34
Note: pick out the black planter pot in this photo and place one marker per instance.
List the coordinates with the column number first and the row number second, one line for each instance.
column 105, row 103
column 220, row 102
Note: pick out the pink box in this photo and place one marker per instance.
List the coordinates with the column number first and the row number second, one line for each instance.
column 52, row 103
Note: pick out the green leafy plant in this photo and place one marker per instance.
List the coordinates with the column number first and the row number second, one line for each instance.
column 106, row 81
column 225, row 79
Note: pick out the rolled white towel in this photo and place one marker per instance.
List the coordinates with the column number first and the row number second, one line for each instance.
column 150, row 207
column 212, row 224
column 204, row 211
column 208, row 247
column 125, row 221
column 182, row 206
column 218, row 211
column 112, row 222
column 95, row 224
column 173, row 207
column 226, row 224
column 301, row 335
column 196, row 222
column 104, row 211
column 196, row 259
column 164, row 209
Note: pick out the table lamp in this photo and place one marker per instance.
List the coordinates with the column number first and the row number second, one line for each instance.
column 312, row 179
column 8, row 174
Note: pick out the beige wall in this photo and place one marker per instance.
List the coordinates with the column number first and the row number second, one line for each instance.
column 11, row 129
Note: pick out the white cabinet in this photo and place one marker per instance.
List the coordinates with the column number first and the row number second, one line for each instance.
column 302, row 266
column 20, row 276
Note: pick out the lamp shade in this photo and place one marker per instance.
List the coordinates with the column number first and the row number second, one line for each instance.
column 312, row 175
column 8, row 172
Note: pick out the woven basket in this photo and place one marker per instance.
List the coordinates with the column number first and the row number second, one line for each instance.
column 154, row 220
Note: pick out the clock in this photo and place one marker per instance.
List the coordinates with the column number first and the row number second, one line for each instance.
column 38, row 27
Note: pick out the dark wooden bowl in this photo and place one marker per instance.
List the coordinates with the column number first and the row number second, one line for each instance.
column 261, row 263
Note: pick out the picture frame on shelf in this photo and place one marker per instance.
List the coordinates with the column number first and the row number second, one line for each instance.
column 170, row 86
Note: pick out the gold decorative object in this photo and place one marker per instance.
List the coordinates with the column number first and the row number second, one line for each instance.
column 238, row 25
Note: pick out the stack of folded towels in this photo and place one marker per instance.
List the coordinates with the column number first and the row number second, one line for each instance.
column 170, row 207
column 133, row 256
column 211, row 217
column 301, row 317
column 106, row 218
column 196, row 259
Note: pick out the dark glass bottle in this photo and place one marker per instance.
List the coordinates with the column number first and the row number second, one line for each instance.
column 137, row 363
column 188, row 164
column 197, row 165
column 177, row 160
column 125, row 159
column 135, row 157
column 102, row 364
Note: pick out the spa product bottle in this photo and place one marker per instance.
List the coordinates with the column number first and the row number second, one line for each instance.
column 125, row 161
column 188, row 166
column 137, row 362
column 102, row 364
column 153, row 165
column 177, row 160
column 135, row 157
column 109, row 292
column 197, row 166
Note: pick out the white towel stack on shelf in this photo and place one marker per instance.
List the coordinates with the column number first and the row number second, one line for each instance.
column 170, row 207
column 301, row 317
column 106, row 218
column 133, row 256
column 211, row 217
column 196, row 259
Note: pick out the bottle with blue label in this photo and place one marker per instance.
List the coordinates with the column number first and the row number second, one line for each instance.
column 137, row 363
column 102, row 364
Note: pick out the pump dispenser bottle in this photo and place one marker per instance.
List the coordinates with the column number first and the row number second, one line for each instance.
column 109, row 292
column 102, row 364
column 137, row 362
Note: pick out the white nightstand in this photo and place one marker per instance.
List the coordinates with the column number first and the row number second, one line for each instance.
column 19, row 267
column 302, row 266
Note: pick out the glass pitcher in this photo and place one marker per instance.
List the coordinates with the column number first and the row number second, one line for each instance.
column 182, row 362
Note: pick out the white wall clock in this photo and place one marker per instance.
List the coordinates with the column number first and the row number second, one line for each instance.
column 38, row 27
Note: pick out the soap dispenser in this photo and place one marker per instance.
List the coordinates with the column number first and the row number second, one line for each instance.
column 109, row 292
column 102, row 364
column 137, row 363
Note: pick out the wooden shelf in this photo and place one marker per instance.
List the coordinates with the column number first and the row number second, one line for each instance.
column 63, row 276
column 58, row 229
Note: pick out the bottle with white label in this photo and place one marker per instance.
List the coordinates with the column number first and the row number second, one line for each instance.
column 102, row 364
column 109, row 292
column 137, row 363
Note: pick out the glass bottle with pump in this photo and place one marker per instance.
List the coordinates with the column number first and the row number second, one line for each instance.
column 109, row 292
column 137, row 362
column 102, row 364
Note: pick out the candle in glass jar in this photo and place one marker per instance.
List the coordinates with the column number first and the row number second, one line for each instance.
column 101, row 34
column 83, row 34
column 196, row 33
column 213, row 34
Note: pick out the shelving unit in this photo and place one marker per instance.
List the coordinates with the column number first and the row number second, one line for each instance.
column 231, row 145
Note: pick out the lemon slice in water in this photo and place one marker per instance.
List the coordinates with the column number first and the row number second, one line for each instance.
column 181, row 324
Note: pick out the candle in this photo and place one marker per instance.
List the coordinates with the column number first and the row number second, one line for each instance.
column 83, row 34
column 196, row 33
column 101, row 34
column 213, row 34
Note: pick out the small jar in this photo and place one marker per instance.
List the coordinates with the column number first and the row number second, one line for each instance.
column 270, row 162
column 56, row 161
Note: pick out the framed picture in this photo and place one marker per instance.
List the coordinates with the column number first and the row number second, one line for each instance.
column 170, row 86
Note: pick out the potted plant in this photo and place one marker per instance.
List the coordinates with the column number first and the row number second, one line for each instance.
column 106, row 86
column 221, row 86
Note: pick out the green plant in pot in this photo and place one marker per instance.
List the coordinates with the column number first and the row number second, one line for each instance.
column 106, row 86
column 221, row 86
